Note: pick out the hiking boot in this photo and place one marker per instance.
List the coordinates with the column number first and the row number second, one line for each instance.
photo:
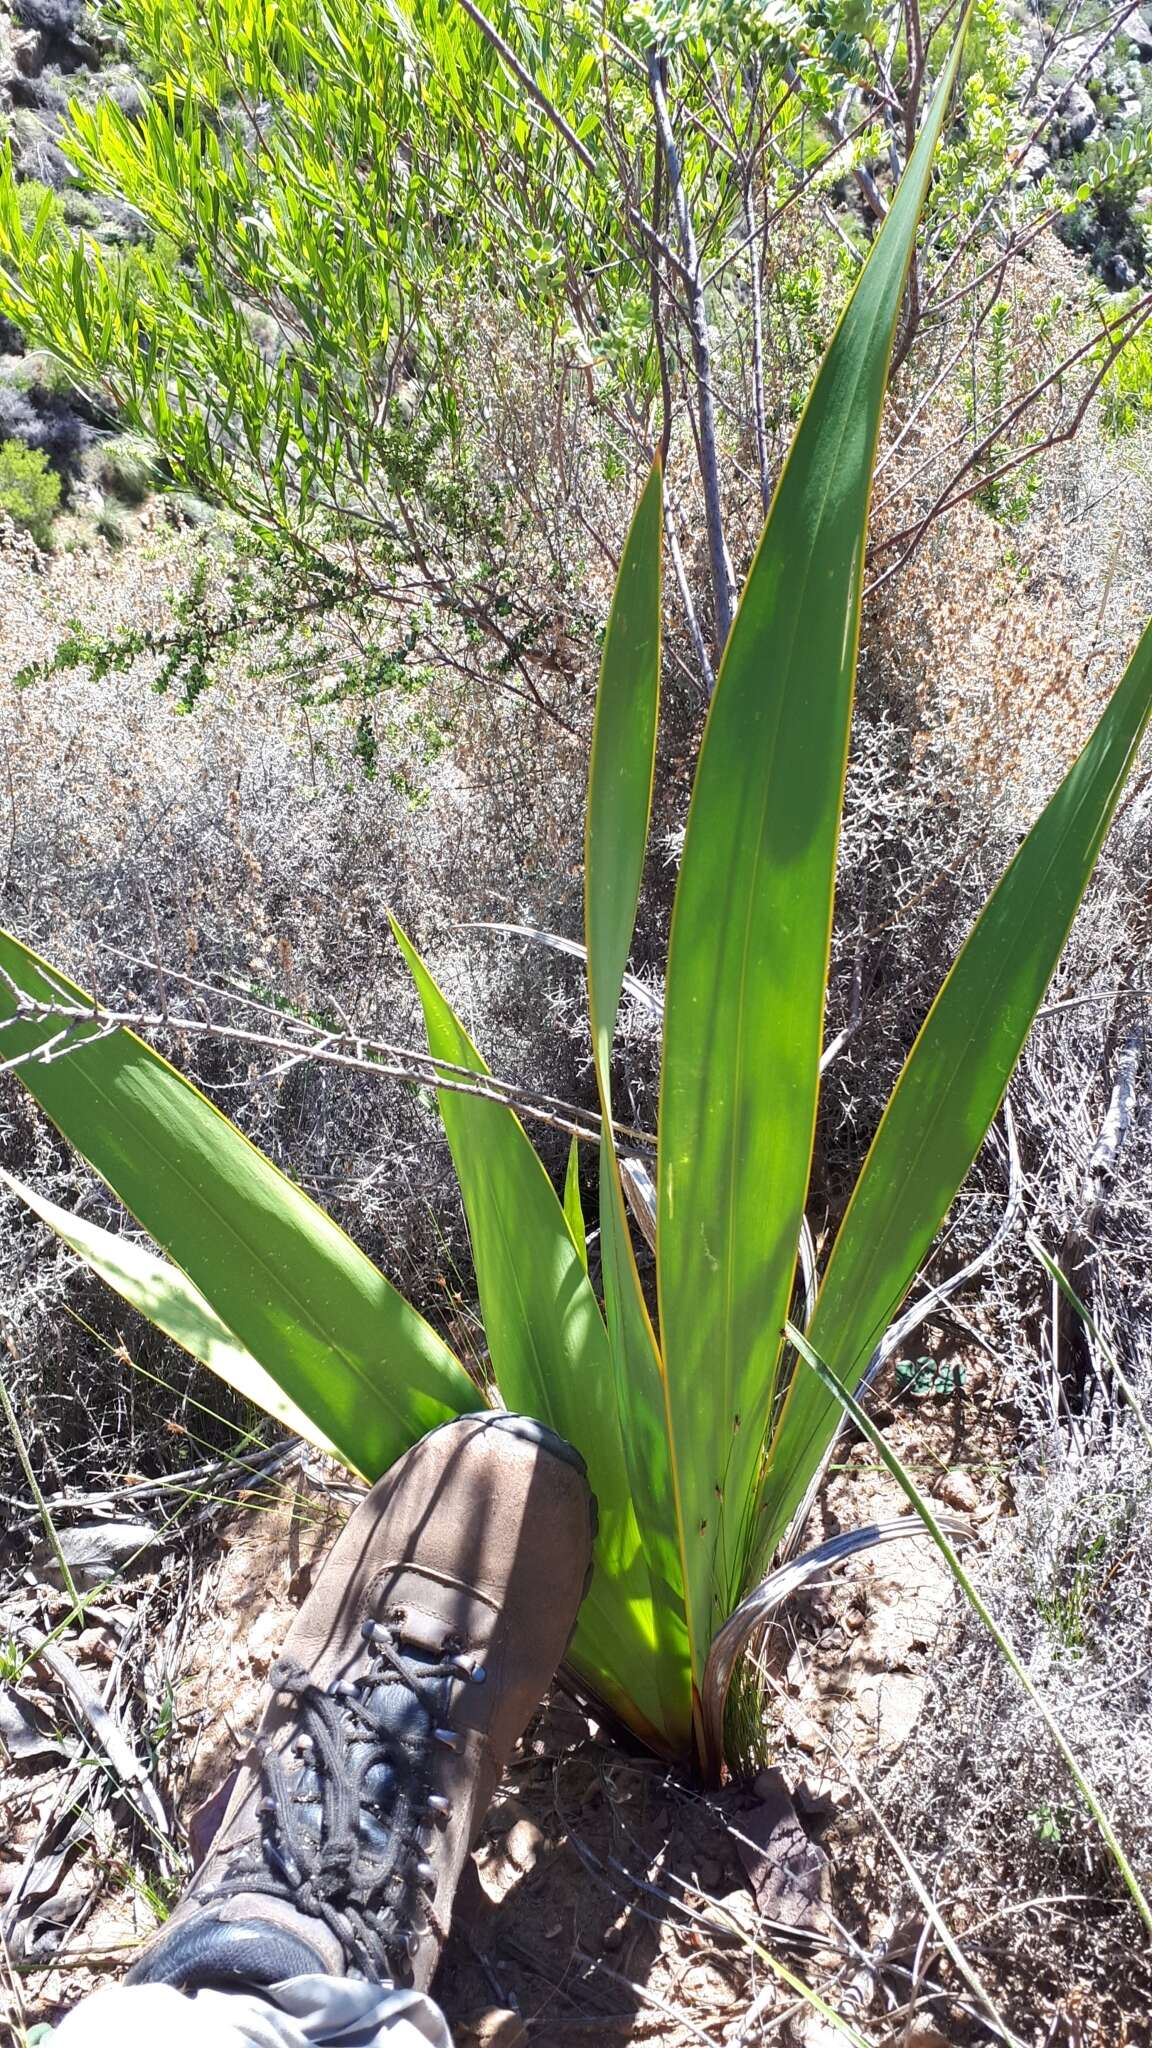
column 428, row 1639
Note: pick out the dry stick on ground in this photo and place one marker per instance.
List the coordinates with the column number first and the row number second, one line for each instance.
column 614, row 1875
column 109, row 1735
column 224, row 1471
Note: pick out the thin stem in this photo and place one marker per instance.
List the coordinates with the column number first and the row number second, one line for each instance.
column 758, row 412
column 723, row 582
column 563, row 128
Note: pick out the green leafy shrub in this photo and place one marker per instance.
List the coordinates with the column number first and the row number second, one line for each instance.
column 29, row 489
column 309, row 361
column 80, row 209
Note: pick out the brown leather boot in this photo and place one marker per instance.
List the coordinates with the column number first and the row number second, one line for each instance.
column 429, row 1637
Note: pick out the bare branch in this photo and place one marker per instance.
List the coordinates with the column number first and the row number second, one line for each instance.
column 81, row 1027
column 723, row 581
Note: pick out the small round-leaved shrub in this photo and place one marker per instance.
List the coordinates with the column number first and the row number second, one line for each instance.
column 29, row 489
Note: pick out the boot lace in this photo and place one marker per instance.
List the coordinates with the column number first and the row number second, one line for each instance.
column 349, row 1812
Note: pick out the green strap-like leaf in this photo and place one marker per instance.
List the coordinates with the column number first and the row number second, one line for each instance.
column 620, row 779
column 952, row 1083
column 167, row 1297
column 750, row 933
column 283, row 1278
column 623, row 766
column 549, row 1352
column 573, row 1207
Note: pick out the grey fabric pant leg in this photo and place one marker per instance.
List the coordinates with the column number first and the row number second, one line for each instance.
column 302, row 2012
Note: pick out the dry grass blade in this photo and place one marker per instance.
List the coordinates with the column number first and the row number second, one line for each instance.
column 758, row 1606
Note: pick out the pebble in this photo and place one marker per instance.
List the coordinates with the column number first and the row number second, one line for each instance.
column 495, row 2027
column 524, row 1844
column 958, row 1490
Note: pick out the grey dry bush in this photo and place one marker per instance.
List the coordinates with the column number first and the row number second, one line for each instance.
column 1071, row 1576
column 978, row 1793
column 243, row 847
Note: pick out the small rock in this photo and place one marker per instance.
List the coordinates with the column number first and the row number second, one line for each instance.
column 923, row 2034
column 788, row 1873
column 957, row 1489
column 28, row 53
column 98, row 1644
column 1139, row 34
column 524, row 1844
column 96, row 1551
column 1076, row 113
column 817, row 1804
column 1033, row 165
column 495, row 2027
column 1119, row 274
column 809, row 1736
column 25, row 1730
column 34, row 151
column 264, row 1639
column 808, row 2029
